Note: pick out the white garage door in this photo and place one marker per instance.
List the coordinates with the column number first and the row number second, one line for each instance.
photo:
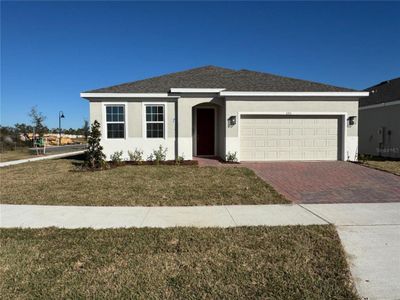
column 289, row 138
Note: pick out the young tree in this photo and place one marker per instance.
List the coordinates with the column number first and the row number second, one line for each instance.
column 37, row 119
column 94, row 156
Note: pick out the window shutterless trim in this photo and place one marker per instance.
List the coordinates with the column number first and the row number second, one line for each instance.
column 157, row 129
column 144, row 121
column 105, row 122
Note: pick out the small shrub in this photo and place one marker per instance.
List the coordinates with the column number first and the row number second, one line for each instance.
column 116, row 157
column 160, row 154
column 179, row 159
column 231, row 157
column 150, row 157
column 136, row 156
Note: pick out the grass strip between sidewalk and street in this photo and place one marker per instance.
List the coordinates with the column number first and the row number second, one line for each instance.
column 293, row 262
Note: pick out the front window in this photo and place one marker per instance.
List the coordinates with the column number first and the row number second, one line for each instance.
column 115, row 121
column 155, row 121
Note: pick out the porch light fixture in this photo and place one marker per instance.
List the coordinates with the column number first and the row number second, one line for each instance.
column 351, row 120
column 232, row 120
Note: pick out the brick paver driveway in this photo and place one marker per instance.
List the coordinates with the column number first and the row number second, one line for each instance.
column 329, row 182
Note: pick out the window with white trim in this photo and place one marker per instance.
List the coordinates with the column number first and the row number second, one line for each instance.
column 155, row 121
column 115, row 119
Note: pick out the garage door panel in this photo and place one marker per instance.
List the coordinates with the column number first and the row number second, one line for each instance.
column 289, row 138
column 309, row 131
column 272, row 131
column 321, row 131
column 296, row 143
column 259, row 155
column 284, row 155
column 296, row 132
column 284, row 131
column 260, row 143
column 260, row 131
column 332, row 154
column 320, row 143
column 284, row 143
column 332, row 131
column 297, row 121
column 296, row 155
column 331, row 141
column 270, row 155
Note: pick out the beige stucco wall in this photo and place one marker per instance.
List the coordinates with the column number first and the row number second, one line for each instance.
column 95, row 112
column 135, row 135
column 221, row 120
column 135, row 115
column 370, row 120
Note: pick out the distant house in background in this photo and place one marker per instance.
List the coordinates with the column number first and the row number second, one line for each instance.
column 379, row 124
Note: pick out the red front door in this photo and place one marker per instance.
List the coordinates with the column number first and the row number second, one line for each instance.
column 205, row 131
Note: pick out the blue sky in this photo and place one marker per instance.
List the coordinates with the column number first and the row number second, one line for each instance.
column 52, row 51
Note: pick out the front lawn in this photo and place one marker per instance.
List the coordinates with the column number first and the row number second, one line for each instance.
column 293, row 262
column 53, row 182
column 19, row 153
column 391, row 166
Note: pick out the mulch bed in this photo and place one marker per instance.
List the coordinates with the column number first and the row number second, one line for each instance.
column 166, row 162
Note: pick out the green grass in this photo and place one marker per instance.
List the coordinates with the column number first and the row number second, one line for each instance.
column 19, row 153
column 294, row 262
column 53, row 182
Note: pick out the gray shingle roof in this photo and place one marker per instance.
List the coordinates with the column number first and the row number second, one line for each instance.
column 386, row 91
column 217, row 77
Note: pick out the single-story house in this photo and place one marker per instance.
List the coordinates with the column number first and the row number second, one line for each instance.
column 213, row 111
column 379, row 120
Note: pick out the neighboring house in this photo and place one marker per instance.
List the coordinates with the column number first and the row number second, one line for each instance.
column 380, row 120
column 213, row 111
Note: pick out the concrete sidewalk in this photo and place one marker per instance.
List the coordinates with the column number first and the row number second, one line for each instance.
column 52, row 156
column 373, row 254
column 38, row 216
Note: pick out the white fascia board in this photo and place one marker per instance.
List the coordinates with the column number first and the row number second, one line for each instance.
column 295, row 94
column 190, row 90
column 126, row 95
